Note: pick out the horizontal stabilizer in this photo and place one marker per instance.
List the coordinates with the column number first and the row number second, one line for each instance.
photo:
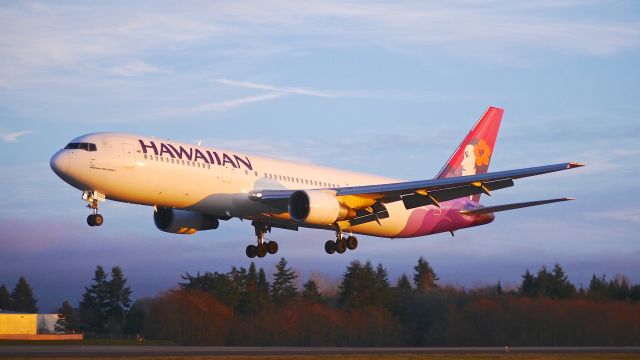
column 505, row 207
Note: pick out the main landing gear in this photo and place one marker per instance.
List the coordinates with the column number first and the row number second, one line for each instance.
column 264, row 247
column 341, row 244
column 92, row 197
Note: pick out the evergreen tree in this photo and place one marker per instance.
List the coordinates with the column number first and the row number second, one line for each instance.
column 424, row 278
column 22, row 299
column 362, row 286
column 118, row 301
column 560, row 288
column 135, row 319
column 383, row 287
column 311, row 291
column 248, row 302
column 219, row 285
column 528, row 286
column 5, row 298
column 404, row 284
column 283, row 288
column 262, row 288
column 67, row 321
column 598, row 287
column 95, row 303
column 618, row 288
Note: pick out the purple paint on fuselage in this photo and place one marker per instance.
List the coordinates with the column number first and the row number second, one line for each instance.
column 433, row 220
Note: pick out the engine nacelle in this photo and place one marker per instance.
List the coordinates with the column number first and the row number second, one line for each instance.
column 182, row 221
column 318, row 207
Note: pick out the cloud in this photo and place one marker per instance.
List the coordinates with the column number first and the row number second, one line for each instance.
column 81, row 38
column 284, row 90
column 228, row 104
column 13, row 137
column 135, row 68
column 623, row 215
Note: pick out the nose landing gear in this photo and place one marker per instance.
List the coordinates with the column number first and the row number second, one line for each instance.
column 263, row 247
column 341, row 244
column 92, row 197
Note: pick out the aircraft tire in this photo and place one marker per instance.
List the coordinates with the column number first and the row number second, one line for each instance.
column 341, row 246
column 352, row 243
column 251, row 251
column 91, row 220
column 98, row 219
column 272, row 247
column 262, row 250
column 330, row 247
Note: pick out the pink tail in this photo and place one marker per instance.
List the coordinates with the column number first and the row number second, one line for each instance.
column 473, row 155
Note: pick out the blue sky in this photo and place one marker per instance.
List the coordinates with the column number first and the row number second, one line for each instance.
column 388, row 88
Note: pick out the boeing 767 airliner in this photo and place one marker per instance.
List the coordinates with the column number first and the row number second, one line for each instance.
column 193, row 188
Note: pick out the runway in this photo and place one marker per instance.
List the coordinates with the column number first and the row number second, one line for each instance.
column 117, row 351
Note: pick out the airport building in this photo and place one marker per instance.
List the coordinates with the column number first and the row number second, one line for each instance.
column 22, row 326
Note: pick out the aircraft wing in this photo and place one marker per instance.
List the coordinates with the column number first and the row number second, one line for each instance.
column 370, row 199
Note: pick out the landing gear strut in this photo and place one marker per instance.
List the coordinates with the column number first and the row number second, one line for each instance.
column 341, row 244
column 92, row 197
column 263, row 247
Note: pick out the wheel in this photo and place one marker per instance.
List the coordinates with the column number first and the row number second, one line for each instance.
column 251, row 251
column 330, row 247
column 262, row 250
column 91, row 220
column 341, row 246
column 272, row 247
column 352, row 243
column 98, row 219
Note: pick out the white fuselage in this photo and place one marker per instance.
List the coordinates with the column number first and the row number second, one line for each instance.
column 157, row 172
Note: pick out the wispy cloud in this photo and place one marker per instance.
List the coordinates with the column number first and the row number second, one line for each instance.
column 75, row 38
column 135, row 68
column 228, row 104
column 624, row 215
column 280, row 89
column 13, row 136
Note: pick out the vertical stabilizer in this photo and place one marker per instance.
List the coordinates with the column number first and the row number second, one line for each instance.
column 473, row 155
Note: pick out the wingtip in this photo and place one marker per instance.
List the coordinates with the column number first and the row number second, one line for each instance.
column 575, row 165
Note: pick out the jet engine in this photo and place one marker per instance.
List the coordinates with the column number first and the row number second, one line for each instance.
column 318, row 208
column 183, row 221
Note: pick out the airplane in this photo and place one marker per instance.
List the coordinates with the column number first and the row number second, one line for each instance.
column 192, row 188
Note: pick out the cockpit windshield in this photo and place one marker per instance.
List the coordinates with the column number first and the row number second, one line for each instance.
column 81, row 146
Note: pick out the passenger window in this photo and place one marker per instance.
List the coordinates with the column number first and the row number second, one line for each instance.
column 145, row 156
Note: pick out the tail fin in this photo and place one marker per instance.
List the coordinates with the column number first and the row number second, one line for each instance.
column 474, row 152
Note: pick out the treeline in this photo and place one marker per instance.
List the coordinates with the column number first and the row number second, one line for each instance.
column 21, row 299
column 242, row 308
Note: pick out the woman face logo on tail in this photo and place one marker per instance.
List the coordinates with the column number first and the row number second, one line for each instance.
column 468, row 164
column 476, row 156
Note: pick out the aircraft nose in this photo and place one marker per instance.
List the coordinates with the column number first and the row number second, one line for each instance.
column 60, row 162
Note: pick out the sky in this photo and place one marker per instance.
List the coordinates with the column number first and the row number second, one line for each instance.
column 383, row 87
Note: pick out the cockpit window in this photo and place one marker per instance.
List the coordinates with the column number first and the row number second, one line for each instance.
column 82, row 146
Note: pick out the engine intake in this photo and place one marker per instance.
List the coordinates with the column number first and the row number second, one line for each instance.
column 183, row 221
column 318, row 208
